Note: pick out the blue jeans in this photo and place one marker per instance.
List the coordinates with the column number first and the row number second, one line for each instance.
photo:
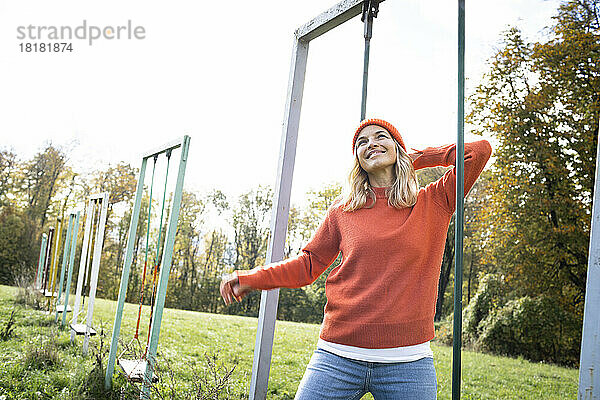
column 331, row 377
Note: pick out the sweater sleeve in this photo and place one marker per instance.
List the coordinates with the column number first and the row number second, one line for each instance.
column 317, row 255
column 444, row 190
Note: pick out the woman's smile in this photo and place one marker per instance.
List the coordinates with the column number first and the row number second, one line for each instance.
column 374, row 153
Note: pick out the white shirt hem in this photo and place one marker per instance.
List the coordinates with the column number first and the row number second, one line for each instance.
column 388, row 355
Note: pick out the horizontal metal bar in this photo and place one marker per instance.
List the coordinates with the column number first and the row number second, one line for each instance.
column 164, row 148
column 96, row 196
column 326, row 21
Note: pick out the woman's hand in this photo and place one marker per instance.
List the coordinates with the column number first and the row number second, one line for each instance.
column 232, row 290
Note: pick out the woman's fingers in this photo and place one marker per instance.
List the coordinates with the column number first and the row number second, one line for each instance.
column 226, row 291
column 231, row 290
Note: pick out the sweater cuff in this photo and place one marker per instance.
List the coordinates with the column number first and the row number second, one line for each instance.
column 247, row 277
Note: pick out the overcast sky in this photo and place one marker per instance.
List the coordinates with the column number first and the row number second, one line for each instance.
column 218, row 71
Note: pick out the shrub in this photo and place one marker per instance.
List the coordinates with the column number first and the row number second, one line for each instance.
column 17, row 252
column 489, row 297
column 538, row 329
column 211, row 380
column 443, row 331
column 30, row 297
column 45, row 356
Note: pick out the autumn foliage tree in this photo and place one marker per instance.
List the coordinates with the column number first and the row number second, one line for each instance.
column 541, row 103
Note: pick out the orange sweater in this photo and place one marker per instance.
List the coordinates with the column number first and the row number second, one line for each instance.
column 383, row 294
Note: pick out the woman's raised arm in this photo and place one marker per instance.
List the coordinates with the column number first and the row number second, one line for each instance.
column 476, row 156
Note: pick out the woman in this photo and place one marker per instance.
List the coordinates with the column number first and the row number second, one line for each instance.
column 381, row 298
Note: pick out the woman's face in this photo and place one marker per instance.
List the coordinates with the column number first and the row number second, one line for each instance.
column 375, row 149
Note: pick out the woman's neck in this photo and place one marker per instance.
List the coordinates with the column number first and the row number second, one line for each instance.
column 382, row 178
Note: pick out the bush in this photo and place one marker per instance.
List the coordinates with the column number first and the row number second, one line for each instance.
column 18, row 255
column 538, row 329
column 29, row 297
column 443, row 331
column 489, row 297
column 43, row 357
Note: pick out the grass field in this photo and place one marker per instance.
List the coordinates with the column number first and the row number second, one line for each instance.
column 186, row 337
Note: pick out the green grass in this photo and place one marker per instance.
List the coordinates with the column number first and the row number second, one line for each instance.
column 187, row 336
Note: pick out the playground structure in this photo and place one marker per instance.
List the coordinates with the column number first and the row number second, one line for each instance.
column 328, row 20
column 67, row 264
column 41, row 262
column 47, row 261
column 89, row 265
column 142, row 369
column 48, row 280
column 50, row 292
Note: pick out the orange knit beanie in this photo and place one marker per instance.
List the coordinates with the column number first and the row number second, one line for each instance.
column 374, row 121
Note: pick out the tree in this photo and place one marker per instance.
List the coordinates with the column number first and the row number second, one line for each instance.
column 119, row 181
column 307, row 304
column 250, row 220
column 541, row 102
column 212, row 267
column 38, row 182
column 17, row 253
column 183, row 283
column 8, row 167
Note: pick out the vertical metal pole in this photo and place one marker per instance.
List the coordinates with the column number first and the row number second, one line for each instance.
column 589, row 365
column 370, row 9
column 82, row 263
column 64, row 266
column 458, row 224
column 74, row 235
column 165, row 269
column 363, row 104
column 279, row 219
column 98, row 242
column 38, row 277
column 135, row 213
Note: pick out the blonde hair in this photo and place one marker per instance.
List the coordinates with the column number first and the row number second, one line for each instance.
column 402, row 193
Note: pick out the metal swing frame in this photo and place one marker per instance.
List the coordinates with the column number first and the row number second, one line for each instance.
column 67, row 264
column 165, row 266
column 41, row 262
column 50, row 270
column 86, row 329
column 328, row 20
column 47, row 261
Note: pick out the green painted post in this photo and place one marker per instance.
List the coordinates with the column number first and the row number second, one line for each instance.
column 110, row 366
column 165, row 269
column 74, row 235
column 64, row 267
column 38, row 279
column 458, row 224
